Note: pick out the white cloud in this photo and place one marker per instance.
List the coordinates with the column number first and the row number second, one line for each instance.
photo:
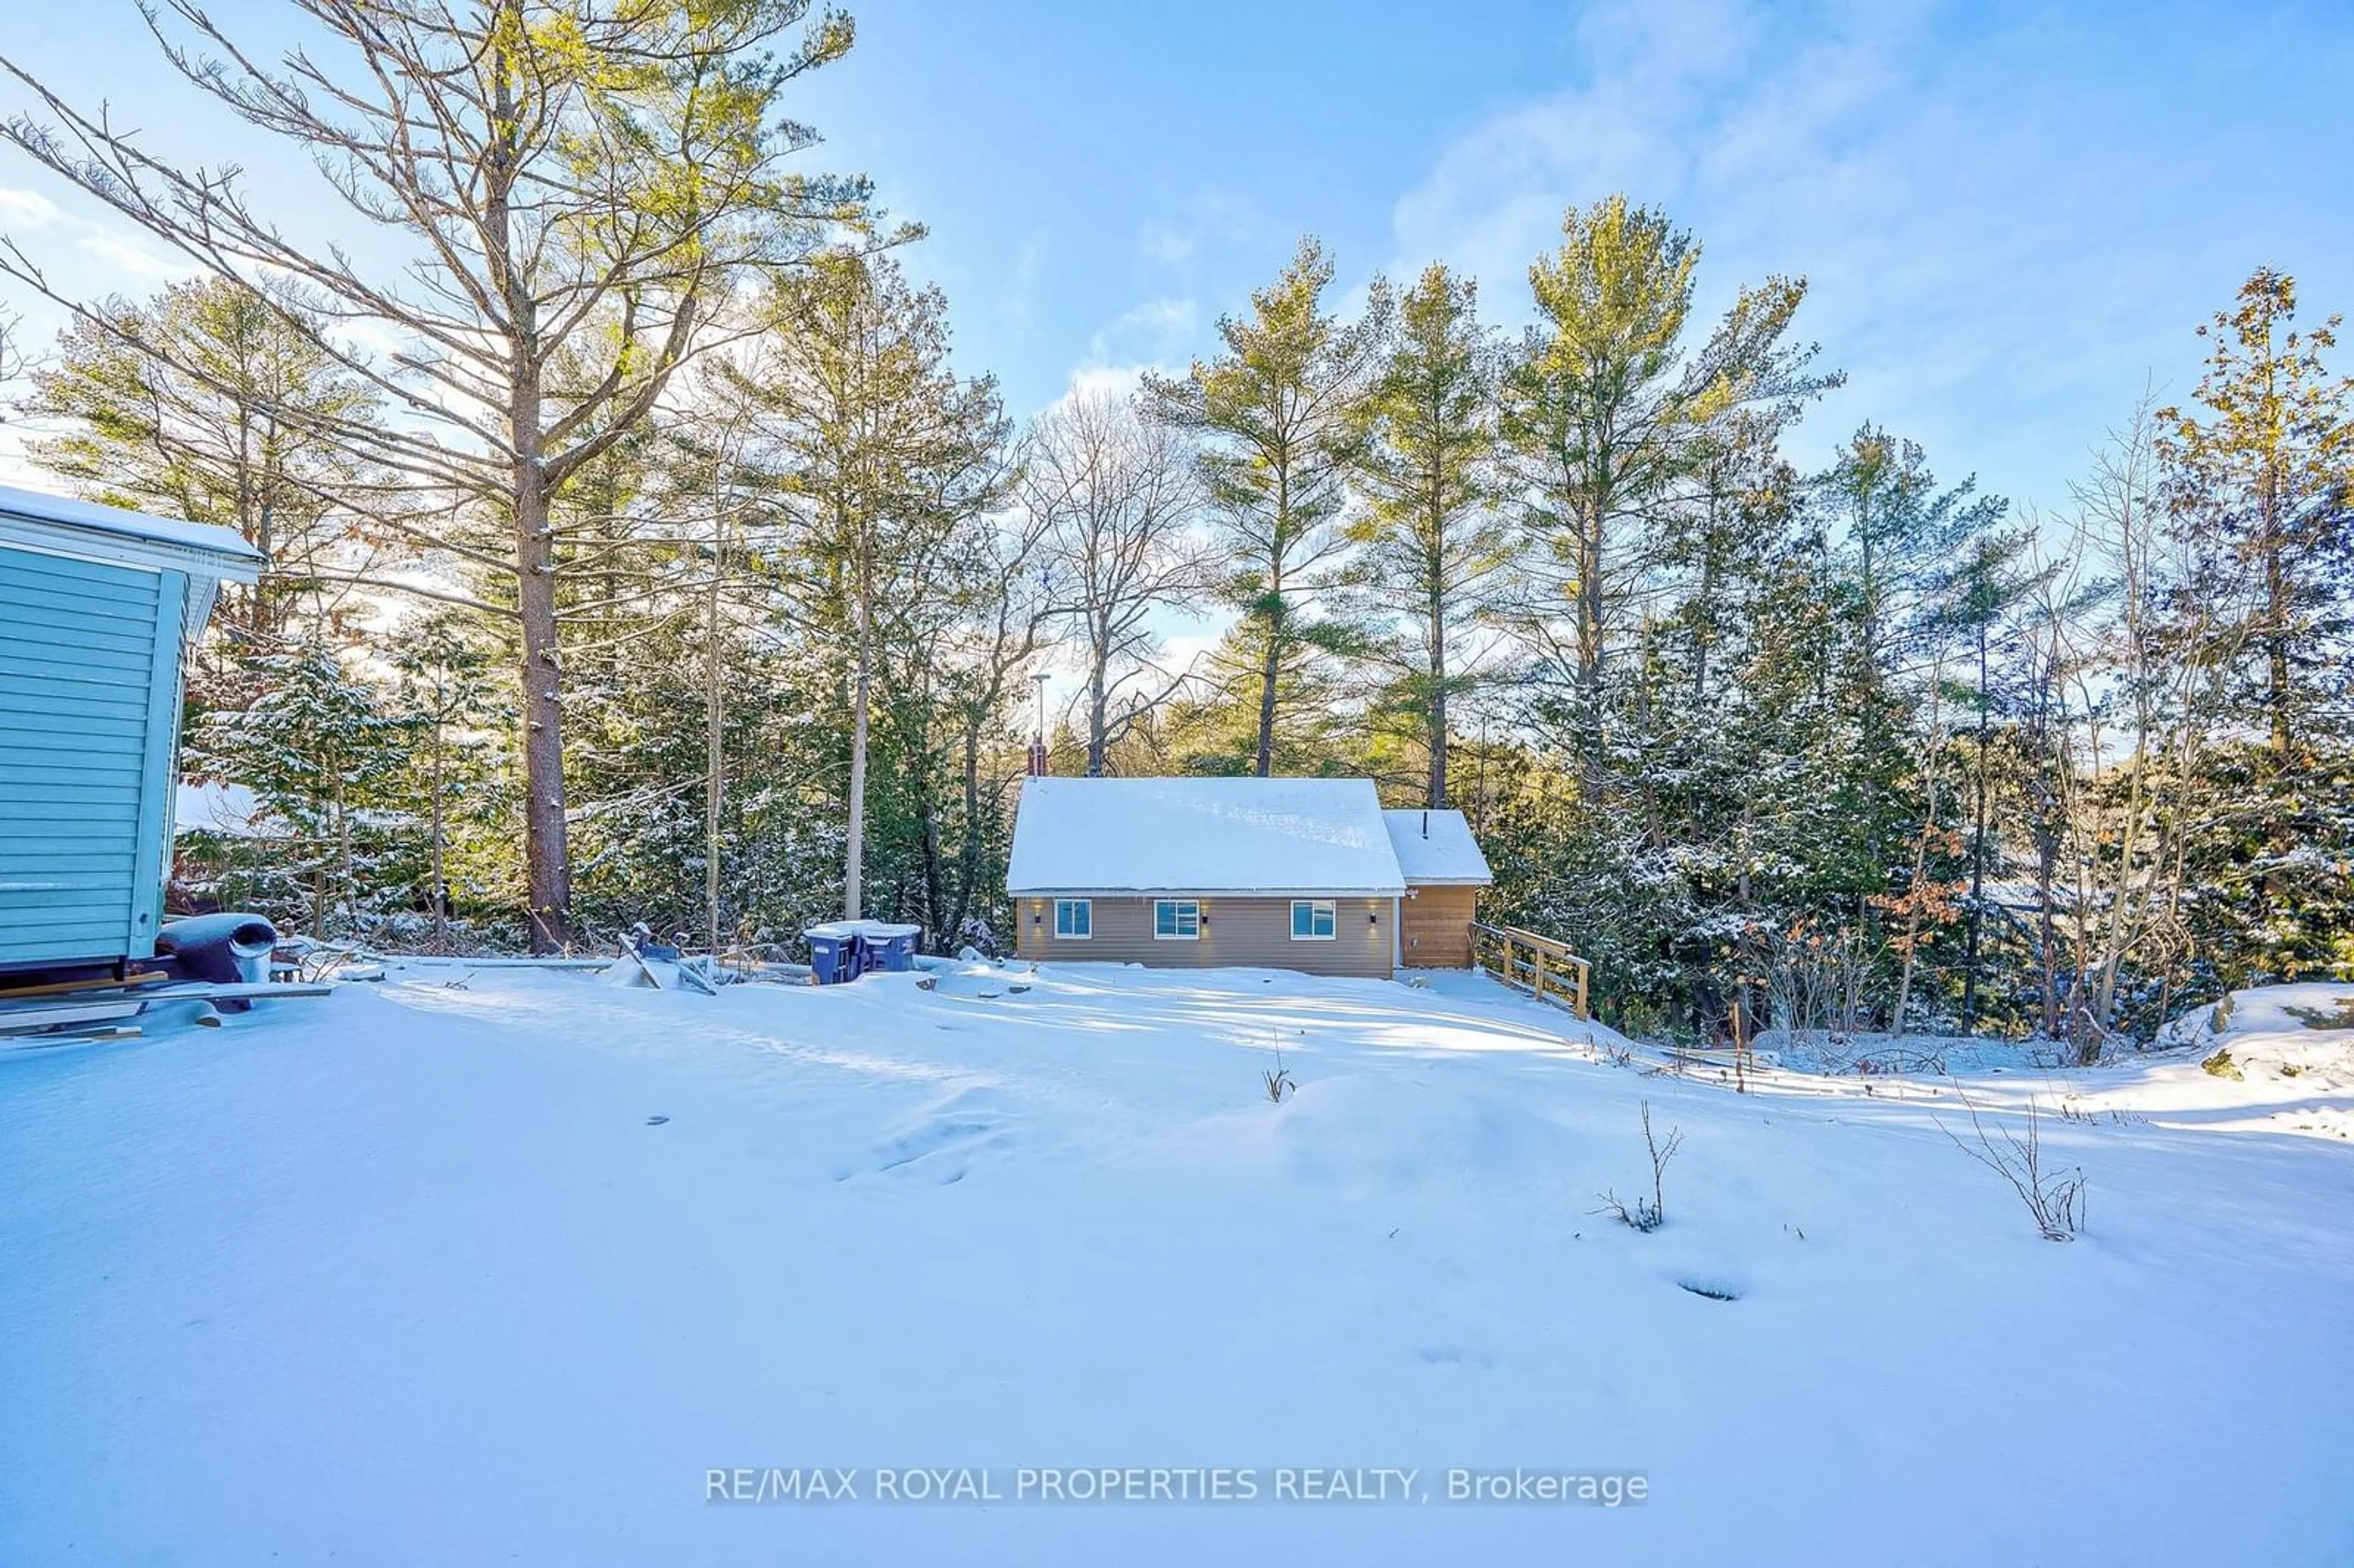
column 132, row 259
column 1156, row 329
column 1993, row 238
column 1152, row 337
column 1207, row 217
column 26, row 209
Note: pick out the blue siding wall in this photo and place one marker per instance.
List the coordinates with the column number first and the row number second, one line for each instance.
column 88, row 722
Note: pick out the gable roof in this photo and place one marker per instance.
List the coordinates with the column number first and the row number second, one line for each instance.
column 1436, row 849
column 58, row 523
column 1319, row 836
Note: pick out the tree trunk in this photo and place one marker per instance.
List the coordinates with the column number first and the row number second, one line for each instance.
column 1099, row 701
column 1974, row 916
column 1438, row 796
column 546, row 854
column 440, row 896
column 715, row 749
column 969, row 859
column 854, row 852
column 1267, row 674
column 1589, row 653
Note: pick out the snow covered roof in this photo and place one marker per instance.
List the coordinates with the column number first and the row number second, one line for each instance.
column 1435, row 848
column 54, row 521
column 1202, row 835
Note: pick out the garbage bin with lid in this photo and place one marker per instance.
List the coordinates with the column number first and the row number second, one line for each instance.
column 889, row 947
column 834, row 953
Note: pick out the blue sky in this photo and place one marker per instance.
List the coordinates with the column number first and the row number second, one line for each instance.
column 2012, row 215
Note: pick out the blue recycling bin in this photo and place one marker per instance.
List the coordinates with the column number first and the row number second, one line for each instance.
column 891, row 948
column 842, row 950
column 834, row 956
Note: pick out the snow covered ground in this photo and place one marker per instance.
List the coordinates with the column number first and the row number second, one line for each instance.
column 500, row 1269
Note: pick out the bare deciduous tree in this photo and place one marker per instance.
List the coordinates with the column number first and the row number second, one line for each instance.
column 1116, row 500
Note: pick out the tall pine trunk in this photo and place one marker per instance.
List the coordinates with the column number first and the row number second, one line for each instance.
column 860, row 693
column 1974, row 916
column 1437, row 706
column 545, row 853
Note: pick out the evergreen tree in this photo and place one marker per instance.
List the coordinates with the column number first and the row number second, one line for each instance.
column 1432, row 545
column 450, row 702
column 1277, row 413
column 2260, row 486
column 580, row 186
column 206, row 402
column 1607, row 407
column 883, row 456
column 323, row 751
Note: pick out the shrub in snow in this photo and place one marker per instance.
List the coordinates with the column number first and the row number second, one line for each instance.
column 2055, row 1198
column 1646, row 1213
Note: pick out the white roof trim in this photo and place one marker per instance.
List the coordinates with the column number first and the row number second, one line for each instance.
column 54, row 525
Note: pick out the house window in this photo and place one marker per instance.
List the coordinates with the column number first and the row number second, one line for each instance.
column 1176, row 919
column 1075, row 919
column 1314, row 920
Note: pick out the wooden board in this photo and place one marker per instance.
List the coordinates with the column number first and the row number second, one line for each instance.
column 1435, row 928
column 67, row 988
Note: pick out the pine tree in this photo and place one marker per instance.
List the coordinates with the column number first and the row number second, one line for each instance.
column 1432, row 543
column 2263, row 485
column 1984, row 596
column 580, row 185
column 882, row 455
column 206, row 402
column 1277, row 413
column 448, row 699
column 2260, row 486
column 1607, row 407
column 322, row 751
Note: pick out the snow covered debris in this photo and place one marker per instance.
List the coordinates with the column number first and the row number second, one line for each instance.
column 502, row 1265
column 1202, row 835
column 1435, row 848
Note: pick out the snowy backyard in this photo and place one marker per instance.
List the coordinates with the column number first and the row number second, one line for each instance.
column 497, row 1265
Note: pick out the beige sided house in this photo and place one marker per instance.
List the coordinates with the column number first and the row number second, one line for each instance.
column 1294, row 873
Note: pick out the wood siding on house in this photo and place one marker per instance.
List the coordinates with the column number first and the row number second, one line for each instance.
column 1235, row 931
column 1436, row 930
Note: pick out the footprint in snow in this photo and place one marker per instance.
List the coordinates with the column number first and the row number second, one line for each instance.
column 1454, row 1356
column 941, row 1148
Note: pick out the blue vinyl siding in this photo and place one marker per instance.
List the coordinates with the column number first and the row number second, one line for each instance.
column 89, row 723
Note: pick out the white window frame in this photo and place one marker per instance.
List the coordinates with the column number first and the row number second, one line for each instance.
column 1085, row 910
column 1177, row 919
column 1327, row 907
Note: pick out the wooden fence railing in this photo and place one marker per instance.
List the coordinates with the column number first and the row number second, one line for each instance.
column 1538, row 965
